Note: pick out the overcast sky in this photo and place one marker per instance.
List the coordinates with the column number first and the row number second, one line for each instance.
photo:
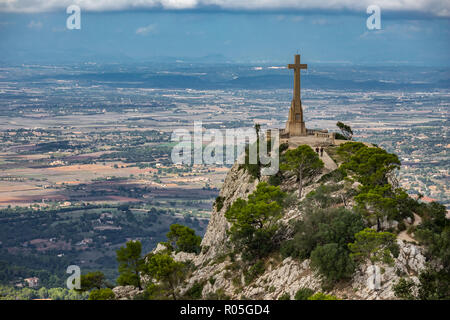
column 328, row 31
column 435, row 7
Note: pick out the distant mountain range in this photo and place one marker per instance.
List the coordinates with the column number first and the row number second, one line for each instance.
column 223, row 75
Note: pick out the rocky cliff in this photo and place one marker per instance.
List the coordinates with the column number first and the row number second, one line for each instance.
column 238, row 184
column 219, row 270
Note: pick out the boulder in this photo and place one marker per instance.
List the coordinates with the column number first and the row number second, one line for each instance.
column 126, row 292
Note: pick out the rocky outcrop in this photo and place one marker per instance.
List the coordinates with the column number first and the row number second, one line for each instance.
column 238, row 184
column 411, row 259
column 218, row 272
column 409, row 263
column 126, row 292
column 289, row 275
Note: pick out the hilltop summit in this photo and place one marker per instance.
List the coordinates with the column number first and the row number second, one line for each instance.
column 331, row 223
column 311, row 243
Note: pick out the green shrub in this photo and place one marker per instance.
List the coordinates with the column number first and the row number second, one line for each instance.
column 288, row 249
column 102, row 294
column 92, row 280
column 205, row 249
column 332, row 262
column 321, row 227
column 348, row 149
column 283, row 147
column 219, row 203
column 153, row 292
column 275, row 180
column 253, row 169
column 164, row 270
column 401, row 226
column 371, row 166
column 254, row 221
column 434, row 233
column 321, row 197
column 236, row 281
column 254, row 271
column 183, row 238
column 433, row 285
column 220, row 258
column 303, row 294
column 285, row 296
column 195, row 292
column 335, row 176
column 403, row 289
column 291, row 200
column 346, row 130
column 340, row 136
column 322, row 296
column 130, row 264
column 304, row 163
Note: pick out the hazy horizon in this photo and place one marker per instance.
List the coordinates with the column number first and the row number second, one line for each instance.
column 273, row 35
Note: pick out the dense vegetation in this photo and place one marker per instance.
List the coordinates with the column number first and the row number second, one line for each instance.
column 323, row 236
column 182, row 238
column 434, row 233
column 254, row 221
column 11, row 293
column 161, row 272
column 54, row 238
column 333, row 235
column 304, row 163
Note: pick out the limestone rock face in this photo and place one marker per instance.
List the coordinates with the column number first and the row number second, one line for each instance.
column 184, row 256
column 289, row 275
column 221, row 273
column 411, row 259
column 126, row 292
column 409, row 263
column 159, row 247
column 238, row 184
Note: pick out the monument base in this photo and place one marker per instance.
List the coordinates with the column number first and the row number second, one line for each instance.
column 295, row 128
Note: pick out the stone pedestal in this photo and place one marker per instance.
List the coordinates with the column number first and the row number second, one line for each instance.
column 295, row 125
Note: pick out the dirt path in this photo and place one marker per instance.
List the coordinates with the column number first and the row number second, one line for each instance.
column 328, row 162
column 404, row 235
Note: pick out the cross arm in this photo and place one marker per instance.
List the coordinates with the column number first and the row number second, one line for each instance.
column 297, row 66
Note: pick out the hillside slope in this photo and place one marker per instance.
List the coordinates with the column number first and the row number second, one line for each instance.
column 220, row 271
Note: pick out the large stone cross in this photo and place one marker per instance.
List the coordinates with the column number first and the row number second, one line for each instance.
column 297, row 67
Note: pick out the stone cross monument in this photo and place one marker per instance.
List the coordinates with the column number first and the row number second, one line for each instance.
column 295, row 125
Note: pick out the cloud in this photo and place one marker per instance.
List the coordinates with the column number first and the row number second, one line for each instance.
column 439, row 8
column 151, row 28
